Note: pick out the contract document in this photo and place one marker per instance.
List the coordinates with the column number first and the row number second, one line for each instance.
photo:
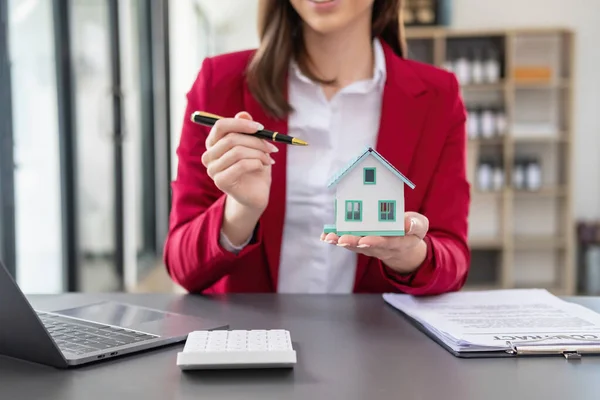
column 503, row 322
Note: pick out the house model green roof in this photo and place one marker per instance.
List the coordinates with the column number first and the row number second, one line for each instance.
column 354, row 162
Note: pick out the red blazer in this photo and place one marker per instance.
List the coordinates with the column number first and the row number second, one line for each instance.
column 422, row 133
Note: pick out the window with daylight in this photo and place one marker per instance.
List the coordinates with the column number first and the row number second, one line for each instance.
column 387, row 210
column 369, row 176
column 353, row 210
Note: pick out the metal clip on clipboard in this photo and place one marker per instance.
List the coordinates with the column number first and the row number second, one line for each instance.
column 570, row 352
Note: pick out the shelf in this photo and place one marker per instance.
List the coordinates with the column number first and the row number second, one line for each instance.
column 495, row 141
column 414, row 32
column 538, row 242
column 560, row 137
column 421, row 32
column 489, row 193
column 485, row 243
column 543, row 192
column 537, row 31
column 477, row 287
column 480, row 87
column 561, row 84
column 431, row 32
column 523, row 193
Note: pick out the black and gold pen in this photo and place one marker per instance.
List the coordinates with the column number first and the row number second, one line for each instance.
column 208, row 119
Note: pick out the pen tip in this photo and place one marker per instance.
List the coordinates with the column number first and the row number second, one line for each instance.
column 299, row 142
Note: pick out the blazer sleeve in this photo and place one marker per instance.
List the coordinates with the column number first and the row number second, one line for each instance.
column 446, row 205
column 193, row 254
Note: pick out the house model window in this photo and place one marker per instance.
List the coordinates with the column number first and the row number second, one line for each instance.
column 353, row 210
column 387, row 210
column 369, row 199
column 369, row 175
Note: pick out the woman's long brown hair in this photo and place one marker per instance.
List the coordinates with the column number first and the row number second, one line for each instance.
column 281, row 40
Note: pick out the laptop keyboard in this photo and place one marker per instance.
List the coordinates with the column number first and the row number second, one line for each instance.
column 82, row 337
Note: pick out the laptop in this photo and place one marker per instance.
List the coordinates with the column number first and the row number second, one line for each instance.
column 86, row 334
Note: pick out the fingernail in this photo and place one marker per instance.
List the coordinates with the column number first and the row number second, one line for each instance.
column 271, row 161
column 343, row 244
column 363, row 246
column 273, row 148
column 259, row 126
column 330, row 241
column 412, row 224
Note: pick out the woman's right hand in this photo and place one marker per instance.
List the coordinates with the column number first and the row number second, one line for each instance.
column 239, row 163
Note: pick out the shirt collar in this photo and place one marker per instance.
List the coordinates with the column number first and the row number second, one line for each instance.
column 379, row 71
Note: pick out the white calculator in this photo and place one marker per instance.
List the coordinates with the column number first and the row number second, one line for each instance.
column 237, row 349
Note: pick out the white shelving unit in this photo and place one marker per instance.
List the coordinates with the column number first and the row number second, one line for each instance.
column 519, row 238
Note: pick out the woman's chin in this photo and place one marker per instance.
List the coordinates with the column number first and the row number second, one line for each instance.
column 325, row 26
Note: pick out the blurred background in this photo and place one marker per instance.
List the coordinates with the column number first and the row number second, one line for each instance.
column 92, row 96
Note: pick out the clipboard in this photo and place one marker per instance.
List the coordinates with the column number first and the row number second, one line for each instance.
column 514, row 349
column 569, row 351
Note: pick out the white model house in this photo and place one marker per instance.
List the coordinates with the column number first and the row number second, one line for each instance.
column 369, row 197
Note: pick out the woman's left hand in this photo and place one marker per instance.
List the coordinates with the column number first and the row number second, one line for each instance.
column 403, row 254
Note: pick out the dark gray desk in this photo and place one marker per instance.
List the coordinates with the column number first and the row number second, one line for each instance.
column 349, row 347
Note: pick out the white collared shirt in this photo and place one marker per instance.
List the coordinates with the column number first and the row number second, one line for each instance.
column 337, row 130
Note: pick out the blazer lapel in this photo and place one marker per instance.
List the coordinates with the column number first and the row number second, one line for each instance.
column 273, row 217
column 405, row 105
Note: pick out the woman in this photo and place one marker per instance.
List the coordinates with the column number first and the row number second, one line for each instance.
column 248, row 215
